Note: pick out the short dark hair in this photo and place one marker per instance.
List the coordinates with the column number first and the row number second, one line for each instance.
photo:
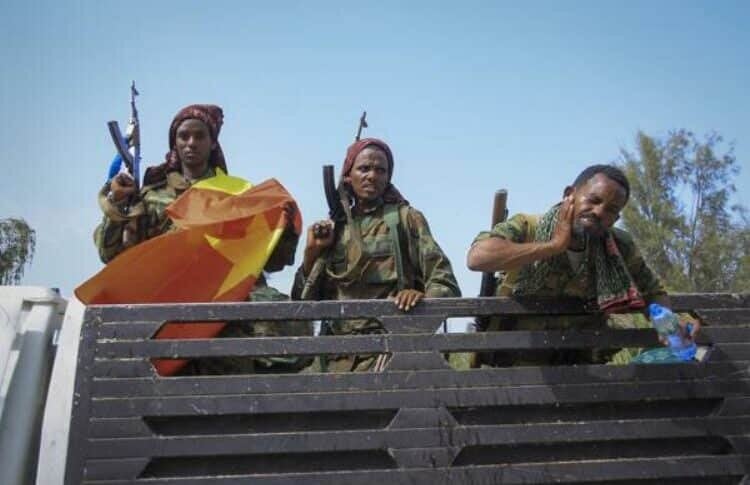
column 610, row 171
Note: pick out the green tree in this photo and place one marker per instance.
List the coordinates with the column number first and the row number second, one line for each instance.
column 680, row 214
column 17, row 243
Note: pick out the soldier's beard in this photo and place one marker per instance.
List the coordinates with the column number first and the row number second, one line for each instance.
column 594, row 228
column 578, row 241
column 581, row 236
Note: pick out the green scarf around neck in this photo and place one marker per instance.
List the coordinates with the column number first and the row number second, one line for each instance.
column 615, row 289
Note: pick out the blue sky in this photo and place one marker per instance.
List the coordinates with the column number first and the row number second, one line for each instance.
column 471, row 96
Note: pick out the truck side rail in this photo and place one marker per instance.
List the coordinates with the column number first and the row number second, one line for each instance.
column 417, row 421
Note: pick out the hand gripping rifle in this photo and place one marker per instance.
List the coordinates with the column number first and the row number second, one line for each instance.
column 489, row 281
column 128, row 146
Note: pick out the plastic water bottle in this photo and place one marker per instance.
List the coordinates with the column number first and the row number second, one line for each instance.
column 667, row 325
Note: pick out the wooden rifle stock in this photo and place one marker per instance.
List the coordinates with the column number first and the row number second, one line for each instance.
column 500, row 207
column 489, row 281
column 499, row 214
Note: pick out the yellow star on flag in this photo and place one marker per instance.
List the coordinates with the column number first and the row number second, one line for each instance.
column 248, row 254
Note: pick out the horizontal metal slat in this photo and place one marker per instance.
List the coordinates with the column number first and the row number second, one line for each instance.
column 724, row 316
column 458, row 437
column 508, row 376
column 564, row 472
column 376, row 343
column 279, row 403
column 446, row 307
column 127, row 330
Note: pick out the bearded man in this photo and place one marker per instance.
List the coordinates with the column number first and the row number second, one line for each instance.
column 573, row 250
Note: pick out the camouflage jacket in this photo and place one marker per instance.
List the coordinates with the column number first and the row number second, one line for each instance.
column 148, row 219
column 578, row 283
column 151, row 219
column 142, row 221
column 521, row 228
column 425, row 266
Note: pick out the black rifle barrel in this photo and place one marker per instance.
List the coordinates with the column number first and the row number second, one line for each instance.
column 332, row 195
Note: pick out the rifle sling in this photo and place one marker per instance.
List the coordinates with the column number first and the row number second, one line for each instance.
column 354, row 249
column 392, row 220
column 356, row 253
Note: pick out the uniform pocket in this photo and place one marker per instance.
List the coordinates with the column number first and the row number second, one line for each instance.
column 381, row 265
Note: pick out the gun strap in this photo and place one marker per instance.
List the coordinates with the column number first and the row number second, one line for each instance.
column 314, row 276
column 130, row 235
column 392, row 220
column 354, row 248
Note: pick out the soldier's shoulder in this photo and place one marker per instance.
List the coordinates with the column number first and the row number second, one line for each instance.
column 525, row 218
column 519, row 227
column 154, row 187
column 411, row 215
column 409, row 210
column 623, row 237
column 625, row 242
column 165, row 190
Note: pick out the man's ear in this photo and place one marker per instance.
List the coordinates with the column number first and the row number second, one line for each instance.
column 569, row 190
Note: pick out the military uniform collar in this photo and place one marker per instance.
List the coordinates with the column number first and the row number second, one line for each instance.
column 179, row 182
column 370, row 211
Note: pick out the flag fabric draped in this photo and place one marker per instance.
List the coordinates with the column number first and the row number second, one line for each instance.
column 226, row 231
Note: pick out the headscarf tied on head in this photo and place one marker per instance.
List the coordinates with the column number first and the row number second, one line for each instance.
column 391, row 194
column 213, row 117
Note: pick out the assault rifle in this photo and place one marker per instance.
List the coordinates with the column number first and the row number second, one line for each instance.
column 128, row 146
column 335, row 210
column 334, row 196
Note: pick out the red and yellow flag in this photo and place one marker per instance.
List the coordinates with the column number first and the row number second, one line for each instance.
column 226, row 231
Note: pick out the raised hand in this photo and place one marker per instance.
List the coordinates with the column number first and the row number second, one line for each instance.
column 563, row 232
column 121, row 187
column 319, row 237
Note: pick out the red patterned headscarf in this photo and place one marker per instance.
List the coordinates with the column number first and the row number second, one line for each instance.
column 213, row 117
column 391, row 194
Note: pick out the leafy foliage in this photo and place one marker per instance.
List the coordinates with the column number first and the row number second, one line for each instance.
column 17, row 244
column 680, row 215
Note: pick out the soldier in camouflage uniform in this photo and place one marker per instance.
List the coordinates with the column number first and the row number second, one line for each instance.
column 361, row 259
column 194, row 155
column 129, row 218
column 573, row 250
